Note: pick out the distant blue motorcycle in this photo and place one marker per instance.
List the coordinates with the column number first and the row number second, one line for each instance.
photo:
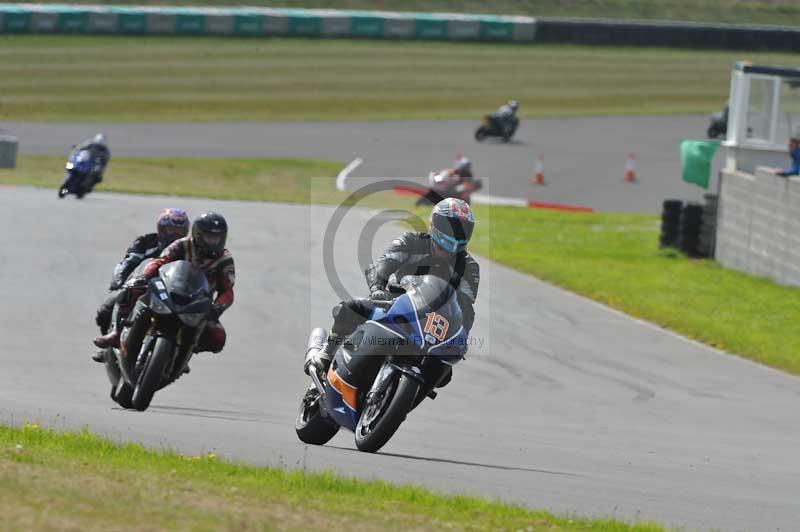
column 81, row 174
column 387, row 367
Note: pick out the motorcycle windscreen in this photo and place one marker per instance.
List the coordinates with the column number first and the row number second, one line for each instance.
column 428, row 314
column 82, row 161
column 184, row 281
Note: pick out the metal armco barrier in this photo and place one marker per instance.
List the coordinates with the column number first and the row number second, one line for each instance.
column 252, row 21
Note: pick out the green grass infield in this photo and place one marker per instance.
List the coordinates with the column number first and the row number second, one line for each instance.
column 78, row 481
column 167, row 79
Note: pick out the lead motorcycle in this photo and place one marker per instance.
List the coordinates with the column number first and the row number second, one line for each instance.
column 79, row 179
column 176, row 306
column 386, row 368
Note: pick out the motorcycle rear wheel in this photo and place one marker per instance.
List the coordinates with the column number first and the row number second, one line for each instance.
column 150, row 379
column 374, row 431
column 122, row 394
column 311, row 427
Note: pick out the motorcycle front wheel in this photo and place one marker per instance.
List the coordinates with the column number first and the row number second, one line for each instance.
column 481, row 133
column 150, row 379
column 383, row 414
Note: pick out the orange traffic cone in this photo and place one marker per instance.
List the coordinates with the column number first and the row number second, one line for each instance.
column 538, row 175
column 630, row 169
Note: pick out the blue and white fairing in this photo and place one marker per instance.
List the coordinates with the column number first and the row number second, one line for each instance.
column 426, row 320
column 80, row 161
column 427, row 315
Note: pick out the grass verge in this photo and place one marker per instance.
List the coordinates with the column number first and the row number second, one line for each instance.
column 279, row 180
column 614, row 259
column 154, row 79
column 77, row 481
column 785, row 12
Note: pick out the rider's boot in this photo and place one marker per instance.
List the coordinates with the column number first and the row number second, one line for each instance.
column 108, row 340
column 322, row 358
column 99, row 356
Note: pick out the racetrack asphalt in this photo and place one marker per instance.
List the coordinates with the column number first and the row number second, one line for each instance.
column 584, row 158
column 566, row 406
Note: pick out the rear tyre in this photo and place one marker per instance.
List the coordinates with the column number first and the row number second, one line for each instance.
column 381, row 419
column 122, row 394
column 311, row 427
column 112, row 367
column 150, row 379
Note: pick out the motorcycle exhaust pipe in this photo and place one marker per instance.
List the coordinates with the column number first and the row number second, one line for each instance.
column 316, row 341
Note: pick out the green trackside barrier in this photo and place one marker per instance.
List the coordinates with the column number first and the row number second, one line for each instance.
column 188, row 22
column 66, row 18
column 366, row 26
column 305, row 26
column 73, row 21
column 248, row 24
column 495, row 30
column 300, row 22
column 430, row 27
column 16, row 21
column 131, row 21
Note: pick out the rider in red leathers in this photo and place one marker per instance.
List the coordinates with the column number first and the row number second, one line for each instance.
column 205, row 247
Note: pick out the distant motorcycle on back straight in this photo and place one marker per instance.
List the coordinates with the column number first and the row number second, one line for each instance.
column 80, row 178
column 177, row 304
column 494, row 125
column 386, row 368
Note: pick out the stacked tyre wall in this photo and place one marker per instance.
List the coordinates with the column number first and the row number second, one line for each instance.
column 246, row 21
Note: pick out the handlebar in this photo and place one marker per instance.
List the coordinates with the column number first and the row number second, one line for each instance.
column 380, row 303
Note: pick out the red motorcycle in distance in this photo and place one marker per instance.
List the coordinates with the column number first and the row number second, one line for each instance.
column 457, row 182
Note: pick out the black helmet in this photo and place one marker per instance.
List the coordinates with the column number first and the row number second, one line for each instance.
column 209, row 232
column 452, row 222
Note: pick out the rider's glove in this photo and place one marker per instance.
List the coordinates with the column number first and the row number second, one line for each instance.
column 137, row 282
column 380, row 294
column 103, row 318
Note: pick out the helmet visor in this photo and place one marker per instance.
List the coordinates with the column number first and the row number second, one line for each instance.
column 451, row 234
column 213, row 240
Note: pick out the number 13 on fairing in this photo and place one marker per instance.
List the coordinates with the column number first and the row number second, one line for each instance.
column 436, row 326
